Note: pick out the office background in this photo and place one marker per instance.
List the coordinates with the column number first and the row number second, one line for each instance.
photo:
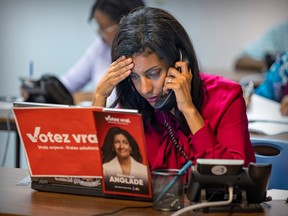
column 55, row 33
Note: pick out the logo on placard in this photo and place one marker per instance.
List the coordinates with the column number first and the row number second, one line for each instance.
column 114, row 120
column 60, row 137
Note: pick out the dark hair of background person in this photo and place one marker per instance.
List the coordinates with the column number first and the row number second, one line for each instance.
column 108, row 145
column 115, row 8
column 150, row 30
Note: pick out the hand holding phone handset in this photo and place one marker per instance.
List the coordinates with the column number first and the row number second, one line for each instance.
column 166, row 102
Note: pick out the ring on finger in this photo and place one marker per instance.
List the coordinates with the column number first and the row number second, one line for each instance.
column 170, row 80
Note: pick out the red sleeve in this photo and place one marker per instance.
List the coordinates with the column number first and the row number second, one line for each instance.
column 229, row 140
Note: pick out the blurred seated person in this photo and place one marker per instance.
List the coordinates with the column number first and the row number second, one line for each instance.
column 260, row 54
column 105, row 16
column 275, row 85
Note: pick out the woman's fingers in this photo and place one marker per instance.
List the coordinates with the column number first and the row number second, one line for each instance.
column 180, row 83
column 178, row 78
column 119, row 70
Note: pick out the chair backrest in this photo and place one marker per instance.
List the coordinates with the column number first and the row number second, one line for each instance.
column 274, row 152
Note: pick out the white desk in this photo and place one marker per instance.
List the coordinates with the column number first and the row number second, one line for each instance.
column 264, row 116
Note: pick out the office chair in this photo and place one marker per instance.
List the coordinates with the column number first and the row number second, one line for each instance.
column 276, row 153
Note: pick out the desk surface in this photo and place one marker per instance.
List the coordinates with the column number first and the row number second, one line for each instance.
column 22, row 200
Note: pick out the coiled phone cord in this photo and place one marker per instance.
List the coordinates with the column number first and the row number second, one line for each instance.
column 177, row 146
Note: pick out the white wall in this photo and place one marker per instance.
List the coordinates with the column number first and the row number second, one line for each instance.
column 55, row 33
column 220, row 28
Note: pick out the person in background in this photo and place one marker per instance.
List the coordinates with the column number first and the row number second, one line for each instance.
column 105, row 15
column 275, row 85
column 260, row 54
column 205, row 117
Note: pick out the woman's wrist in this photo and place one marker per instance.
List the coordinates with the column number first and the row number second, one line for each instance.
column 98, row 100
column 194, row 119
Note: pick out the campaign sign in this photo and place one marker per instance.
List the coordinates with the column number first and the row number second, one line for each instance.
column 125, row 168
column 59, row 141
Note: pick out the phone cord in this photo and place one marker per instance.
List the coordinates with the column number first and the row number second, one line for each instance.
column 177, row 146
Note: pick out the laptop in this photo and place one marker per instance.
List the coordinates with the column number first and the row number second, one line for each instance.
column 63, row 149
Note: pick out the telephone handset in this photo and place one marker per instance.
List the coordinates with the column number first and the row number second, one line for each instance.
column 167, row 101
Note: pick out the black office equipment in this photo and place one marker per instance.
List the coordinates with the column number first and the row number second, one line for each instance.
column 210, row 179
column 48, row 89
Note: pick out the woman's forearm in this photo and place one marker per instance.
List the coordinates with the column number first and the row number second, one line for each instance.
column 194, row 120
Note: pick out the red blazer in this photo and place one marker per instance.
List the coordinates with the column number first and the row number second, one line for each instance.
column 224, row 136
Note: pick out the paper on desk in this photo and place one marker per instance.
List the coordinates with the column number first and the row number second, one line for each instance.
column 268, row 128
column 25, row 181
column 264, row 116
column 278, row 194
